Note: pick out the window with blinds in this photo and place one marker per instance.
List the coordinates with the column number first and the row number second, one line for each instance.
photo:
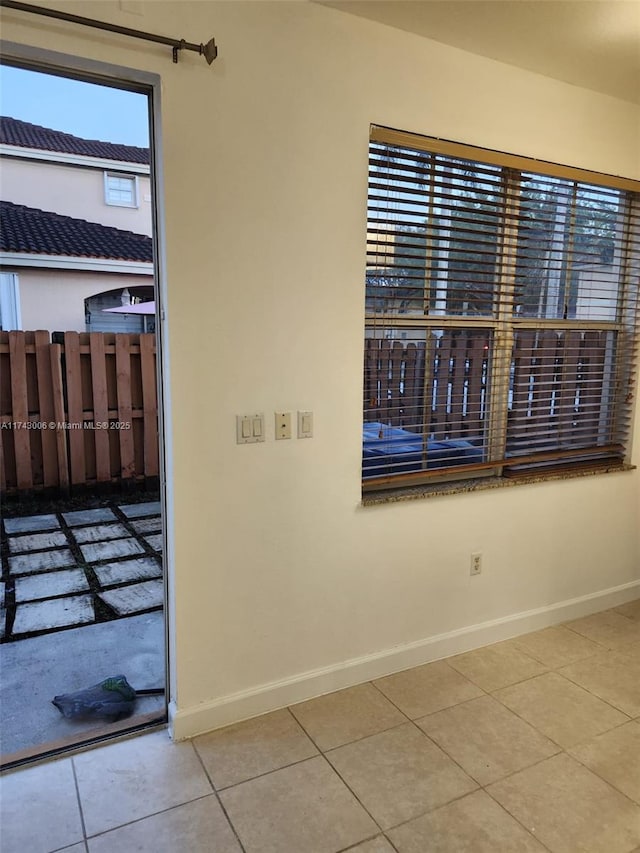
column 501, row 314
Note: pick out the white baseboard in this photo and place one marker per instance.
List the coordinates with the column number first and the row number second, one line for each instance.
column 188, row 722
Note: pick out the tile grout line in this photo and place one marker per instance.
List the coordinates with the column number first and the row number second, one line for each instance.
column 79, row 799
column 334, row 770
column 217, row 796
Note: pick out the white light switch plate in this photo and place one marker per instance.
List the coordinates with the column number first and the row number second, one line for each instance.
column 250, row 428
column 305, row 424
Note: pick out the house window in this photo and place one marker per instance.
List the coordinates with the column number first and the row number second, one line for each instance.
column 120, row 190
column 501, row 314
column 10, row 319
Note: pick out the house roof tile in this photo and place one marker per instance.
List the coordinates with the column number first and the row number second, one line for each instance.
column 41, row 232
column 13, row 131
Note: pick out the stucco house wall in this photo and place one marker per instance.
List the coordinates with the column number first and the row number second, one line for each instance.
column 74, row 191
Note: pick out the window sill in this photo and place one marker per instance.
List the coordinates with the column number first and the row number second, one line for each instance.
column 412, row 493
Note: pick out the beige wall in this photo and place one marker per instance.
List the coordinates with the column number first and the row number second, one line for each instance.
column 282, row 585
column 54, row 299
column 73, row 191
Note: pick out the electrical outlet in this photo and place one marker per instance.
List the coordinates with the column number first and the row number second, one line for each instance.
column 475, row 567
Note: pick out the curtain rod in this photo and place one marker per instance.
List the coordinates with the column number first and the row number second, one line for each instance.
column 208, row 50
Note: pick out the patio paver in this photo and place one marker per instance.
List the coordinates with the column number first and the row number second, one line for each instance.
column 110, row 574
column 148, row 525
column 100, row 533
column 42, row 561
column 50, row 584
column 140, row 510
column 88, row 516
column 97, row 551
column 31, row 523
column 36, row 541
column 55, row 613
column 134, row 598
column 154, row 541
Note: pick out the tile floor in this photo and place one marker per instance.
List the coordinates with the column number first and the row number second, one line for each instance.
column 528, row 745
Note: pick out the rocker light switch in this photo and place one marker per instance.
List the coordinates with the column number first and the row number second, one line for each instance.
column 305, row 424
column 249, row 428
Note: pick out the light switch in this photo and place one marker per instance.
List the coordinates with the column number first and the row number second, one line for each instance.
column 305, row 424
column 283, row 425
column 249, row 428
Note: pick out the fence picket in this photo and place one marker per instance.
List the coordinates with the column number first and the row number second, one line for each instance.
column 46, row 411
column 100, row 406
column 57, row 387
column 123, row 385
column 72, row 378
column 149, row 404
column 20, row 410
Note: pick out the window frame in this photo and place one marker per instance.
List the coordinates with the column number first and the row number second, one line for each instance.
column 133, row 179
column 504, row 323
column 10, row 311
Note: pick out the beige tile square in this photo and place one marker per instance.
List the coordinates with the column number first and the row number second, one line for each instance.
column 196, row 826
column 616, row 757
column 245, row 750
column 135, row 778
column 557, row 646
column 39, row 809
column 305, row 807
column 347, row 715
column 613, row 676
column 631, row 609
column 376, row 845
column 497, row 666
column 474, row 824
column 426, row 689
column 569, row 808
column 560, row 709
column 486, row 739
column 609, row 628
column 399, row 774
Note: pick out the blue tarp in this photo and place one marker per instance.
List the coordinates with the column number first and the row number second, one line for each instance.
column 400, row 451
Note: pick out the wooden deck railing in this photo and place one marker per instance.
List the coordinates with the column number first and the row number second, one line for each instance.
column 79, row 412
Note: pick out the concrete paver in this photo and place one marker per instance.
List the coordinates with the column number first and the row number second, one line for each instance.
column 36, row 541
column 88, row 516
column 100, row 533
column 31, row 587
column 31, row 523
column 109, row 574
column 55, row 613
column 134, row 598
column 140, row 510
column 109, row 550
column 42, row 561
column 148, row 525
column 155, row 541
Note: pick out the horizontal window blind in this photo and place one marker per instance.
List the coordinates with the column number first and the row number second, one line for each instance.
column 501, row 313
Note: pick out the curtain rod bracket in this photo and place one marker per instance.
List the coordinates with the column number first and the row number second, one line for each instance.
column 208, row 50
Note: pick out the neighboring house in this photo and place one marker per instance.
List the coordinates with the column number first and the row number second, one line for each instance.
column 77, row 216
column 58, row 272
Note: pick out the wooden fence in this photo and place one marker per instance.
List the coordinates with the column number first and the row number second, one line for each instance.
column 77, row 411
column 558, row 389
column 456, row 387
